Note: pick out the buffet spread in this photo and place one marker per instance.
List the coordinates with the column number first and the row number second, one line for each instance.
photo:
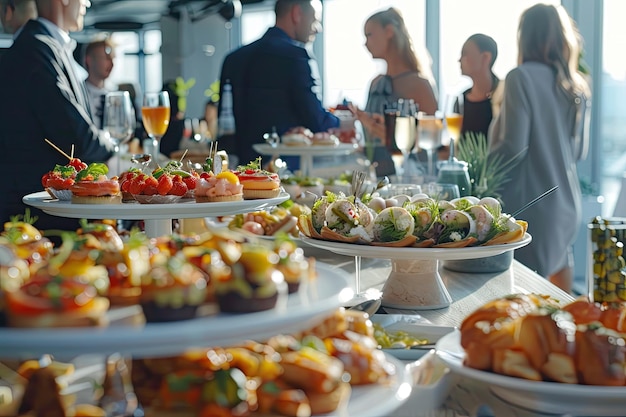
column 220, row 322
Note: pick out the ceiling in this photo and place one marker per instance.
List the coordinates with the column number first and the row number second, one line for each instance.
column 137, row 14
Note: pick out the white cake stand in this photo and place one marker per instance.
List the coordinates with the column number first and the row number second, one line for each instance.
column 157, row 217
column 414, row 282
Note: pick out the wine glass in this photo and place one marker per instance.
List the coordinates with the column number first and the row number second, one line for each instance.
column 156, row 119
column 405, row 135
column 118, row 121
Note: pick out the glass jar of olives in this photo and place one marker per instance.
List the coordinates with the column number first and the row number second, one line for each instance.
column 606, row 277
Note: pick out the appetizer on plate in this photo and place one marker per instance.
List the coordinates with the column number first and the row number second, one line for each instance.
column 534, row 337
column 257, row 182
column 417, row 221
column 280, row 219
column 59, row 181
column 224, row 186
column 54, row 301
column 93, row 186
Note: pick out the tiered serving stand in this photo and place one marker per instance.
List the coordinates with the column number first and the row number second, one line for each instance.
column 316, row 299
column 157, row 217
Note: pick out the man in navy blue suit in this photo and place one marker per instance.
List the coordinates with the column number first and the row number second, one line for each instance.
column 43, row 98
column 275, row 80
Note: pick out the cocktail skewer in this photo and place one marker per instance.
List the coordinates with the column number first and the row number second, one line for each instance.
column 60, row 150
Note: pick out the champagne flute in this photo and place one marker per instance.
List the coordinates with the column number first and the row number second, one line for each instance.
column 119, row 121
column 156, row 119
column 405, row 135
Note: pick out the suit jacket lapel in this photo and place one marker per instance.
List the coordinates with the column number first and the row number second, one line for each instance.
column 67, row 78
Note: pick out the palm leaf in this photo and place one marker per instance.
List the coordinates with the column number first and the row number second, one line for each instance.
column 488, row 172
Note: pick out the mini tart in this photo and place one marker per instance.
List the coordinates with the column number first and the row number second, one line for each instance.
column 172, row 290
column 254, row 283
column 258, row 183
column 218, row 188
column 56, row 302
column 96, row 192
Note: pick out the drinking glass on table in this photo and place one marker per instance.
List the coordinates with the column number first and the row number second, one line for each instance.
column 439, row 191
column 118, row 121
column 156, row 118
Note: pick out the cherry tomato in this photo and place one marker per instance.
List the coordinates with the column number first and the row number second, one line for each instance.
column 44, row 179
column 178, row 186
column 78, row 164
column 165, row 184
column 191, row 181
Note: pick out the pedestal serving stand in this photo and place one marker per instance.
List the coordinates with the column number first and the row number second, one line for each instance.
column 306, row 153
column 157, row 217
column 414, row 282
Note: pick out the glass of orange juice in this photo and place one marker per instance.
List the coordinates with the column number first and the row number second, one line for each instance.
column 156, row 118
column 454, row 122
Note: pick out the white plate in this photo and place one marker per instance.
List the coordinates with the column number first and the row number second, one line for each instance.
column 316, row 150
column 547, row 397
column 323, row 295
column 376, row 400
column 136, row 211
column 368, row 251
column 373, row 400
column 414, row 325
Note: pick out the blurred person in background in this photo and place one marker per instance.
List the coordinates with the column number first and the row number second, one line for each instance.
column 275, row 81
column 406, row 77
column 543, row 117
column 44, row 99
column 15, row 13
column 479, row 104
column 99, row 57
column 210, row 119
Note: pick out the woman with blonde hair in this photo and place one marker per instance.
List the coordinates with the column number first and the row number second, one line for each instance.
column 406, row 77
column 543, row 120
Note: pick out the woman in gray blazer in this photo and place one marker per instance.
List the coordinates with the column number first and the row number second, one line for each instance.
column 542, row 121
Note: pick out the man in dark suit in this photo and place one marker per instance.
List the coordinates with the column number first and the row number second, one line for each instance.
column 275, row 80
column 43, row 99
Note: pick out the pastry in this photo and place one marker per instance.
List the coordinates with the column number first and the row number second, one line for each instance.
column 256, row 182
column 254, row 283
column 172, row 289
column 224, row 186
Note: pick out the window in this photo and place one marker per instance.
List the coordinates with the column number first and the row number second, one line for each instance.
column 255, row 23
column 613, row 116
column 349, row 67
column 460, row 19
column 127, row 66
